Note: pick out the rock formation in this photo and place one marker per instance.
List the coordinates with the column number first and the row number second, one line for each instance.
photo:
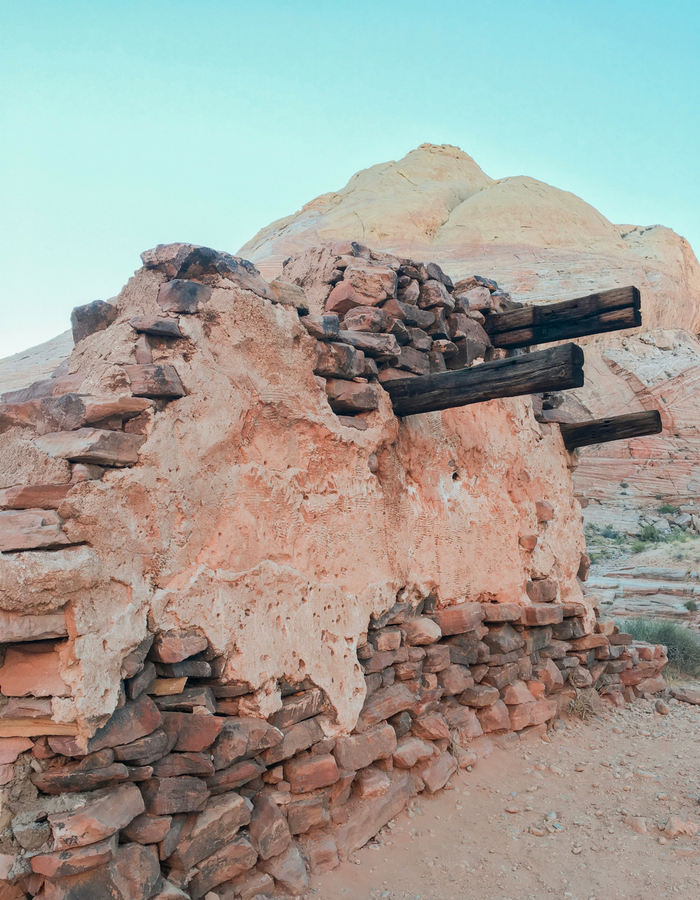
column 541, row 244
column 241, row 622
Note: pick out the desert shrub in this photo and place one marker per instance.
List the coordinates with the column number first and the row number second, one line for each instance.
column 609, row 532
column 586, row 704
column 683, row 646
column 678, row 537
column 638, row 547
column 691, row 605
column 667, row 509
column 624, row 484
column 649, row 533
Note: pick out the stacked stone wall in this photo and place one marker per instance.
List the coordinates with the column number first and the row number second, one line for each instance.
column 178, row 795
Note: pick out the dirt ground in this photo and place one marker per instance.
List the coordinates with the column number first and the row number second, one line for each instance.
column 579, row 818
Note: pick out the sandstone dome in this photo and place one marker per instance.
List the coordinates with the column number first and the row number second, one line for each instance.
column 404, row 201
column 525, row 212
column 541, row 243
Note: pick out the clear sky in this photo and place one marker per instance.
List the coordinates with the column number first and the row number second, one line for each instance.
column 127, row 123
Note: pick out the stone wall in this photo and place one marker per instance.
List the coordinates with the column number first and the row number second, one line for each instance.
column 241, row 621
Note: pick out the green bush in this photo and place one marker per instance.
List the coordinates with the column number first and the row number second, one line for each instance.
column 691, row 605
column 683, row 645
column 609, row 532
column 624, row 484
column 638, row 547
column 667, row 509
column 649, row 533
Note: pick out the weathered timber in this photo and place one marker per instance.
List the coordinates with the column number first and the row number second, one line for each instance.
column 616, row 428
column 557, row 368
column 597, row 313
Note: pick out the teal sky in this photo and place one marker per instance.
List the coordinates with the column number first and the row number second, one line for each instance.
column 125, row 124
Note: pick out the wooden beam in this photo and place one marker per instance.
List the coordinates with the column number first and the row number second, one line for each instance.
column 615, row 320
column 555, row 369
column 616, row 428
column 605, row 311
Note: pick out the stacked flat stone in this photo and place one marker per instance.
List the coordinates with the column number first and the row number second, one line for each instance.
column 388, row 318
column 185, row 790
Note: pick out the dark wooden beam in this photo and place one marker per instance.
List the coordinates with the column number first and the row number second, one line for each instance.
column 555, row 369
column 612, row 310
column 616, row 320
column 616, row 428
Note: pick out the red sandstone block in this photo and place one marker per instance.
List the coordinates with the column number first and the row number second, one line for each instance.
column 371, row 783
column 206, row 832
column 545, row 614
column 501, row 612
column 521, row 715
column 34, row 669
column 307, row 811
column 167, row 796
column 367, row 817
column 547, row 672
column 589, row 642
column 241, row 737
column 573, row 610
column 479, row 696
column 320, row 852
column 98, row 819
column 360, row 750
column 134, row 720
column 430, row 728
column 75, row 860
column 494, row 717
column 269, row 831
column 455, row 679
column 459, row 619
column 421, row 631
column 383, row 704
column 145, row 829
column 232, row 860
column 288, row 870
column 436, row 771
column 411, row 750
column 297, row 738
column 652, row 685
column 543, row 711
column 234, row 776
column 516, row 693
column 194, row 732
column 311, row 774
column 298, row 708
column 176, row 646
column 437, row 658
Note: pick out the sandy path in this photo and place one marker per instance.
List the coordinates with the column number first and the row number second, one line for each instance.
column 463, row 844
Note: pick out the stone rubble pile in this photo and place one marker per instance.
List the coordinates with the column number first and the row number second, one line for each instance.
column 386, row 318
column 181, row 793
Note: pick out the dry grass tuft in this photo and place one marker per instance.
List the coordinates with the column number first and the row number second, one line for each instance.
column 586, row 705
